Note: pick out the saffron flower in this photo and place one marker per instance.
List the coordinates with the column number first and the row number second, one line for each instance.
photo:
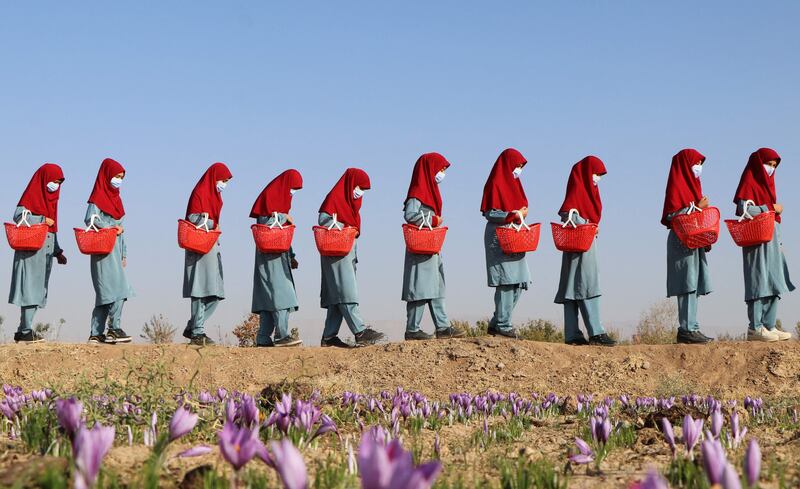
column 68, row 412
column 90, row 446
column 691, row 434
column 752, row 463
column 239, row 445
column 290, row 465
column 669, row 435
column 389, row 466
column 182, row 422
column 585, row 455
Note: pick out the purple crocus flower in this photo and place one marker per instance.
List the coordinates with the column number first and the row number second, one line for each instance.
column 713, row 460
column 730, row 478
column 654, row 480
column 182, row 422
column 197, row 451
column 737, row 435
column 716, row 423
column 238, row 445
column 89, row 447
column 752, row 462
column 585, row 455
column 389, row 466
column 68, row 412
column 601, row 429
column 290, row 465
column 669, row 435
column 248, row 411
column 691, row 434
column 326, row 426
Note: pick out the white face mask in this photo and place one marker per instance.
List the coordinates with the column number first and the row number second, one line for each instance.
column 769, row 169
column 116, row 182
column 293, row 191
column 439, row 177
column 357, row 193
column 52, row 187
column 221, row 185
column 517, row 171
column 596, row 179
column 697, row 170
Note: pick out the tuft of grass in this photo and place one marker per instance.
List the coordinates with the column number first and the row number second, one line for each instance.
column 541, row 330
column 657, row 325
column 527, row 474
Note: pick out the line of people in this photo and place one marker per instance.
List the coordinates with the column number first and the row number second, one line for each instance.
column 504, row 204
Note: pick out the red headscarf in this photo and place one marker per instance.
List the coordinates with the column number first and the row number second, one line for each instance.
column 683, row 187
column 205, row 197
column 502, row 191
column 104, row 195
column 276, row 196
column 340, row 199
column 755, row 184
column 423, row 185
column 582, row 193
column 37, row 199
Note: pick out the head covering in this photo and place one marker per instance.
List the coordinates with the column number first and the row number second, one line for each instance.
column 502, row 191
column 276, row 196
column 423, row 185
column 104, row 195
column 205, row 197
column 37, row 199
column 340, row 199
column 582, row 193
column 683, row 187
column 755, row 184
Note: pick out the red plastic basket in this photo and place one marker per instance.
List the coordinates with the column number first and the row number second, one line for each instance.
column 26, row 237
column 197, row 240
column 522, row 240
column 96, row 241
column 424, row 241
column 571, row 239
column 334, row 242
column 752, row 232
column 697, row 229
column 273, row 239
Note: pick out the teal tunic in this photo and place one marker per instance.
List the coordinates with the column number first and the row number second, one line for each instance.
column 108, row 276
column 766, row 273
column 338, row 274
column 423, row 275
column 687, row 269
column 580, row 279
column 273, row 284
column 30, row 274
column 202, row 274
column 502, row 269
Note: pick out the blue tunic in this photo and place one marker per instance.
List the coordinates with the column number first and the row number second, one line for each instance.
column 273, row 284
column 202, row 274
column 502, row 269
column 30, row 274
column 108, row 276
column 766, row 273
column 423, row 275
column 338, row 274
column 580, row 279
column 687, row 269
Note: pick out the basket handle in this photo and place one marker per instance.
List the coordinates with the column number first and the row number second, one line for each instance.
column 276, row 222
column 693, row 208
column 203, row 224
column 24, row 218
column 91, row 226
column 569, row 219
column 426, row 221
column 518, row 227
column 336, row 223
column 746, row 214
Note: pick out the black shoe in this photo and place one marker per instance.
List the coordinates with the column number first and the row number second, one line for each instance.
column 98, row 340
column 418, row 335
column 288, row 341
column 201, row 340
column 449, row 332
column 510, row 333
column 116, row 335
column 335, row 342
column 265, row 345
column 29, row 337
column 369, row 337
column 706, row 337
column 579, row 341
column 602, row 340
column 691, row 337
column 187, row 333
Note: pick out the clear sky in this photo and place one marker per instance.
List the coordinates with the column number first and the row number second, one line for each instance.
column 168, row 88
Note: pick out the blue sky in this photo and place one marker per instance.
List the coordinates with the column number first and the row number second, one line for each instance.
column 167, row 88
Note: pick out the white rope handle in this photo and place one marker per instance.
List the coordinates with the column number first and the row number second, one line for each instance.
column 336, row 223
column 203, row 224
column 24, row 218
column 426, row 221
column 91, row 226
column 276, row 221
column 746, row 214
column 569, row 219
column 693, row 208
column 518, row 227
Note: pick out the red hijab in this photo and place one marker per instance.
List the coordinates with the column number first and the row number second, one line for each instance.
column 340, row 199
column 582, row 193
column 276, row 196
column 423, row 185
column 37, row 199
column 682, row 186
column 104, row 195
column 502, row 191
column 755, row 184
column 205, row 197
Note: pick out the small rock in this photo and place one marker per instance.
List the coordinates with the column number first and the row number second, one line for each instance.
column 645, row 365
column 501, row 366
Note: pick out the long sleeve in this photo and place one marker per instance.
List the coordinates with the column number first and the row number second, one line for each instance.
column 418, row 214
column 198, row 219
column 497, row 217
column 753, row 210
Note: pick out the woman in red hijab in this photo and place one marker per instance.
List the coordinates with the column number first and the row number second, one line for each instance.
column 504, row 202
column 274, row 295
column 423, row 275
column 202, row 274
column 766, row 274
column 579, row 287
column 111, row 287
column 30, row 275
column 339, row 294
column 688, row 275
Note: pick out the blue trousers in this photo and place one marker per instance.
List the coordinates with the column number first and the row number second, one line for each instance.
column 416, row 309
column 107, row 314
column 26, row 315
column 272, row 321
column 687, row 312
column 338, row 312
column 202, row 309
column 763, row 312
column 505, row 300
column 590, row 311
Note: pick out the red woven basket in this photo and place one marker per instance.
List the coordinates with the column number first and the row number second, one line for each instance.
column 697, row 229
column 573, row 239
column 752, row 232
column 334, row 242
column 194, row 239
column 424, row 241
column 26, row 237
column 273, row 239
column 522, row 240
column 96, row 242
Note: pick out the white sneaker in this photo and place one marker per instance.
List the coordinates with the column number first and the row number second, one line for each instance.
column 762, row 334
column 782, row 335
